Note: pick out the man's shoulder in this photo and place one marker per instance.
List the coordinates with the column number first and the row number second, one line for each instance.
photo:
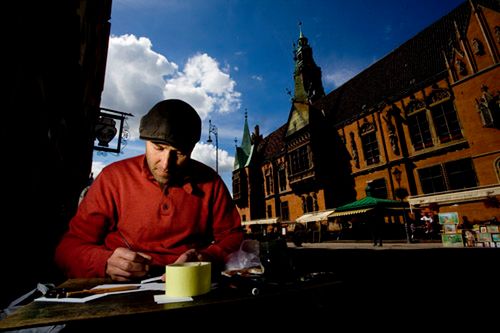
column 203, row 174
column 197, row 166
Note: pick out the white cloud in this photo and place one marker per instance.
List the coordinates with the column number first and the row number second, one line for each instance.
column 137, row 77
column 257, row 77
column 206, row 153
column 97, row 167
column 340, row 77
column 134, row 77
column 205, row 86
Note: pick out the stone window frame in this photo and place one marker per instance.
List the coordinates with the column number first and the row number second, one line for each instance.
column 448, row 176
column 369, row 142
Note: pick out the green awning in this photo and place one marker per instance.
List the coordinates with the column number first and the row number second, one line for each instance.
column 350, row 212
column 370, row 202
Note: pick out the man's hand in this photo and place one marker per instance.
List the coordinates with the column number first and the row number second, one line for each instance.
column 125, row 264
column 190, row 255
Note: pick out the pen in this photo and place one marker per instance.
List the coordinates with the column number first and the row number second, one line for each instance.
column 125, row 240
column 99, row 291
column 153, row 279
column 131, row 249
column 63, row 293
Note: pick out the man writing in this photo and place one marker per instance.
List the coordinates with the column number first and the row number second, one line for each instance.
column 151, row 210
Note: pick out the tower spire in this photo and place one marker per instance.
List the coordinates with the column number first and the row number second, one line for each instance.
column 246, row 143
column 307, row 75
column 243, row 152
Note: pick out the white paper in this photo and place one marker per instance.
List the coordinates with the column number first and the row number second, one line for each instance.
column 142, row 287
column 163, row 299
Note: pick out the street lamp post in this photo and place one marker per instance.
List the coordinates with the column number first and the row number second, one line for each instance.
column 212, row 129
column 397, row 174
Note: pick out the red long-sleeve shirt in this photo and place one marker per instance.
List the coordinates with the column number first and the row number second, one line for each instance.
column 125, row 206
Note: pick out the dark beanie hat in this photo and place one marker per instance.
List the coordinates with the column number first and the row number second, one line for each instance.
column 173, row 122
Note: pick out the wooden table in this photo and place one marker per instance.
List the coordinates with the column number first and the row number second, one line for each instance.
column 137, row 310
column 368, row 287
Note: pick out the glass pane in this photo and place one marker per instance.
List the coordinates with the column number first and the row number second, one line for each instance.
column 461, row 174
column 419, row 131
column 431, row 179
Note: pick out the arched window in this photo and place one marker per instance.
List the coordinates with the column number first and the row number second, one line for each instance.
column 444, row 115
column 418, row 124
column 369, row 142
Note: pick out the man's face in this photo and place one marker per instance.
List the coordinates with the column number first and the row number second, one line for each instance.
column 165, row 161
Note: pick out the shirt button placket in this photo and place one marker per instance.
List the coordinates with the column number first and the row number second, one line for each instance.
column 165, row 207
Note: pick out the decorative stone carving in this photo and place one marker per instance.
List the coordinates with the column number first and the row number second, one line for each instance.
column 438, row 95
column 477, row 47
column 488, row 107
column 354, row 150
column 460, row 66
column 393, row 138
column 367, row 126
column 415, row 104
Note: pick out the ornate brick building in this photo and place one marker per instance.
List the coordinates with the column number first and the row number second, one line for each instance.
column 421, row 125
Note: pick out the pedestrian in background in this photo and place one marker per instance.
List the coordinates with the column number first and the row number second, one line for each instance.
column 466, row 227
column 377, row 222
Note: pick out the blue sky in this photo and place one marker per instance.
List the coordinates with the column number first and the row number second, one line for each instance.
column 226, row 57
